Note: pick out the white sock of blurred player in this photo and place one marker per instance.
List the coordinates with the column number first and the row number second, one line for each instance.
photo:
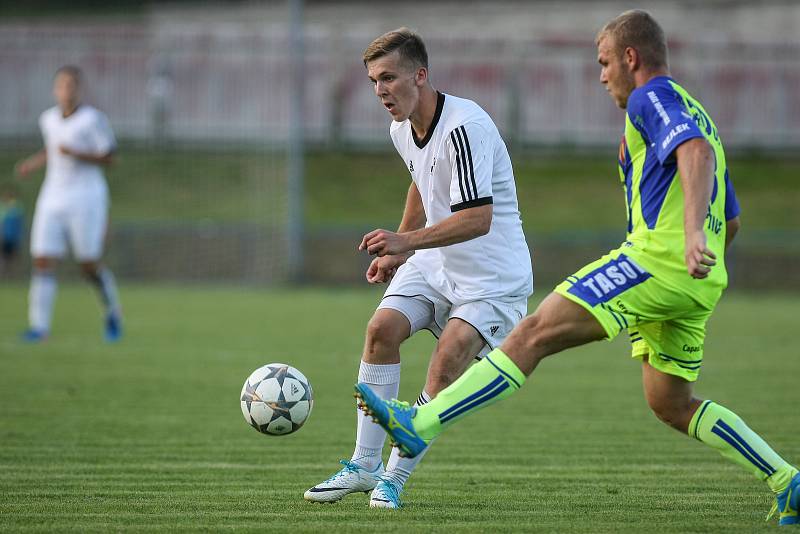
column 107, row 286
column 41, row 297
column 385, row 381
column 398, row 469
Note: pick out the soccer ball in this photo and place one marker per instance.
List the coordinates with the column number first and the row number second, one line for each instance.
column 276, row 399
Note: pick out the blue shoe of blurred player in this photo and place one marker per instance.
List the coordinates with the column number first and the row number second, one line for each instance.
column 33, row 336
column 113, row 326
column 788, row 503
column 395, row 418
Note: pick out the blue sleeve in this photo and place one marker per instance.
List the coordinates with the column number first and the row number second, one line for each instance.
column 732, row 208
column 659, row 113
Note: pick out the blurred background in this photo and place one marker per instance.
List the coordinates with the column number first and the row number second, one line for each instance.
column 252, row 149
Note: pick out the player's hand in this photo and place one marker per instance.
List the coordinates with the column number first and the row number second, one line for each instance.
column 23, row 168
column 382, row 270
column 384, row 243
column 699, row 258
column 67, row 151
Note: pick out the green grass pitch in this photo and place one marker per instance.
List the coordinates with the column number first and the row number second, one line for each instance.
column 147, row 435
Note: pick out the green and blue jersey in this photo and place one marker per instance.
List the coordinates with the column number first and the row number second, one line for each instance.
column 660, row 116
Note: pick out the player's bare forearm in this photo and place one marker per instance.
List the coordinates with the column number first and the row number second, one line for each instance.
column 413, row 219
column 696, row 168
column 461, row 226
column 413, row 213
column 731, row 229
column 105, row 159
column 31, row 164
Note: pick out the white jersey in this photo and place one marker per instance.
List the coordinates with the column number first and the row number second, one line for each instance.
column 462, row 163
column 86, row 130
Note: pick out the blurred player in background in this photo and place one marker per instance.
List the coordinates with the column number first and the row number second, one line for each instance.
column 458, row 265
column 661, row 285
column 72, row 207
column 11, row 225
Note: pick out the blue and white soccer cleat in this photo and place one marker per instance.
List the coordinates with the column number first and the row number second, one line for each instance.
column 352, row 478
column 395, row 417
column 788, row 503
column 386, row 494
column 33, row 336
column 113, row 328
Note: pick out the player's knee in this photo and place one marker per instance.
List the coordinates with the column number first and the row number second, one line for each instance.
column 536, row 335
column 43, row 264
column 382, row 334
column 89, row 269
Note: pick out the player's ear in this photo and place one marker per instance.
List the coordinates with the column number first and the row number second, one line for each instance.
column 631, row 59
column 421, row 76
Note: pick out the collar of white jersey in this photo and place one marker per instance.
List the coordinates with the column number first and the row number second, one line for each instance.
column 436, row 116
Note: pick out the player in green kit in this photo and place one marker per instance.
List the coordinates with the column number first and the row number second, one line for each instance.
column 661, row 285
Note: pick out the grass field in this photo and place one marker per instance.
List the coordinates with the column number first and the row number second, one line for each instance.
column 148, row 435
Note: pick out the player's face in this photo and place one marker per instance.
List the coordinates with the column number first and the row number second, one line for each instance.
column 614, row 72
column 396, row 85
column 66, row 91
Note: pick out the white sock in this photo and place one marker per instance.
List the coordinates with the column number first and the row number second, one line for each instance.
column 107, row 286
column 399, row 468
column 385, row 381
column 41, row 297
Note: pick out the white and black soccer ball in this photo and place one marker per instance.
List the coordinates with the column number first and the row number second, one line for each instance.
column 276, row 399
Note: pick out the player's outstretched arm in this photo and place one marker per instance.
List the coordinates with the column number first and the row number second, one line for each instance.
column 696, row 167
column 32, row 163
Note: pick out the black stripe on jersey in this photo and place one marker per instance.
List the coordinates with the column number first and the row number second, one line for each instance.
column 469, row 157
column 463, row 157
column 458, row 166
column 471, row 204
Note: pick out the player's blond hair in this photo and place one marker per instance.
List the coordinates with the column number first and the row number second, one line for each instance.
column 407, row 42
column 637, row 29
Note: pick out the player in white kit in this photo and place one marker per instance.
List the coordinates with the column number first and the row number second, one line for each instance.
column 448, row 263
column 72, row 207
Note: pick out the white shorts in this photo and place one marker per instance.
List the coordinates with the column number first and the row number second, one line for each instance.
column 82, row 224
column 427, row 309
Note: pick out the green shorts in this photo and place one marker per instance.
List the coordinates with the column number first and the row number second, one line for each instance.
column 665, row 324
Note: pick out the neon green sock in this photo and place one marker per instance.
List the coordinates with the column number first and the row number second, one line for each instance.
column 723, row 430
column 493, row 378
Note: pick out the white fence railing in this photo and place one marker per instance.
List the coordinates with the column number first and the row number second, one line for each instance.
column 231, row 84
